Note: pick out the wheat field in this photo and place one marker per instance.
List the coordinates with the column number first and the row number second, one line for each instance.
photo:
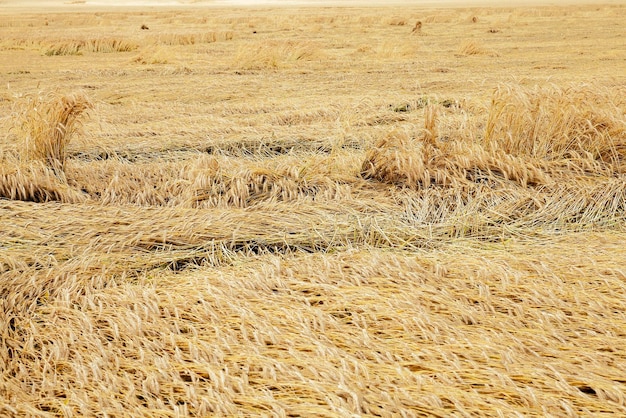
column 399, row 211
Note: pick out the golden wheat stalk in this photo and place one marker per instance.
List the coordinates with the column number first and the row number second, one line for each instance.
column 46, row 125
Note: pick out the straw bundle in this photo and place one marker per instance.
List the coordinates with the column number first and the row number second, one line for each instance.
column 580, row 127
column 46, row 125
column 399, row 159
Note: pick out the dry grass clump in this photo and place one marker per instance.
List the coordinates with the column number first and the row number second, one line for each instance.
column 579, row 127
column 476, row 183
column 302, row 117
column 193, row 38
column 275, row 54
column 420, row 163
column 390, row 49
column 417, row 29
column 150, row 55
column 386, row 49
column 65, row 48
column 16, row 44
column 33, row 165
column 530, row 136
column 245, row 185
column 271, row 147
column 35, row 182
column 72, row 46
column 115, row 182
column 206, row 181
column 397, row 159
column 471, row 47
column 45, row 125
column 486, row 213
column 79, row 46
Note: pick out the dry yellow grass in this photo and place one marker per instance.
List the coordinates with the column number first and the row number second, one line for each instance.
column 45, row 126
column 313, row 211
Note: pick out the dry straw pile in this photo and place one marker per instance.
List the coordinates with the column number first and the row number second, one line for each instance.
column 313, row 213
column 46, row 125
column 546, row 155
column 33, row 168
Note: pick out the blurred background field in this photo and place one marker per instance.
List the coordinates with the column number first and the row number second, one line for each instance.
column 348, row 211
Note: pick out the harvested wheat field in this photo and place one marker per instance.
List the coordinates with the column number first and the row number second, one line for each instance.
column 214, row 209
